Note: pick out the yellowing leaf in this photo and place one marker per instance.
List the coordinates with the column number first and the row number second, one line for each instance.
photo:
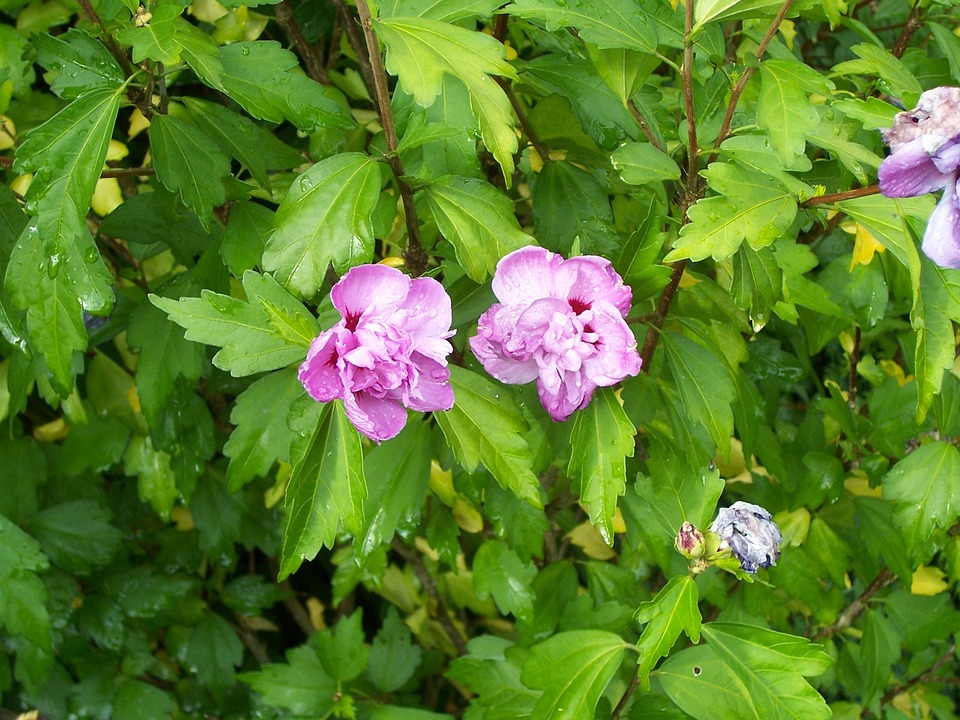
column 864, row 248
column 467, row 517
column 859, row 484
column 894, row 370
column 183, row 518
column 794, row 526
column 107, row 196
column 588, row 538
column 51, row 431
column 928, row 581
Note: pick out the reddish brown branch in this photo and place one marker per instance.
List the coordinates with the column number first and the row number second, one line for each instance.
column 308, row 53
column 660, row 316
column 912, row 24
column 845, row 195
column 853, row 610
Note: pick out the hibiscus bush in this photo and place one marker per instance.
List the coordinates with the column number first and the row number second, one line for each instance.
column 423, row 359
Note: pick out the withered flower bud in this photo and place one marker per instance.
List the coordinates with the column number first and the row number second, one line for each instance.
column 750, row 534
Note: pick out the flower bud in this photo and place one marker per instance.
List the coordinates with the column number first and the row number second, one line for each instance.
column 749, row 532
column 689, row 542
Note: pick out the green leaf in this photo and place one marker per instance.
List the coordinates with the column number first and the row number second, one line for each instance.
column 949, row 45
column 421, row 51
column 243, row 139
column 199, row 51
column 569, row 204
column 255, row 335
column 397, row 472
column 258, row 76
column 478, row 219
column 604, row 23
column 156, row 482
column 327, row 488
column 341, row 650
column 394, row 659
column 746, row 672
column 155, row 40
column 214, row 650
column 783, row 110
column 77, row 535
column 493, row 674
column 704, row 384
column 137, row 699
column 601, row 441
column 640, row 163
column 879, row 649
column 261, row 435
column 485, row 426
column 757, row 282
column 445, row 10
column 874, row 113
column 76, row 63
column 834, row 137
column 938, row 303
column 245, row 236
column 300, row 685
column 923, row 485
column 572, row 669
column 623, row 71
column 190, row 164
column 895, row 78
column 498, row 571
column 19, row 551
column 711, row 10
column 325, row 218
column 672, row 611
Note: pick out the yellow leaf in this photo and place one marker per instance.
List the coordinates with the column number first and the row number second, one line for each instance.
column 586, row 537
column 116, row 150
column 424, row 547
column 789, row 32
column 864, row 247
column 619, row 526
column 182, row 517
column 315, row 610
column 51, row 431
column 928, row 581
column 8, row 133
column 107, row 196
column 138, row 123
column 441, row 482
column 794, row 526
column 21, row 183
column 858, row 484
column 894, row 370
column 394, row 262
column 467, row 517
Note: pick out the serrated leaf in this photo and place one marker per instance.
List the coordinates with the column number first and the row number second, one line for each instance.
column 326, row 489
column 879, row 649
column 572, row 669
column 874, row 113
column 601, row 441
column 834, row 137
column 261, row 435
column 77, row 535
column 245, row 236
column 783, row 110
column 478, row 220
column 398, row 473
column 19, row 551
column 23, row 608
column 746, row 672
column 704, row 384
column 604, row 23
column 895, row 76
column 672, row 611
column 641, row 163
column 190, row 164
column 569, row 203
column 214, row 650
column 156, row 482
column 420, row 51
column 300, row 685
column 757, row 282
column 246, row 331
column 486, row 427
column 445, row 10
column 155, row 39
column 289, row 319
column 243, row 139
column 711, row 10
column 76, row 63
column 325, row 218
column 258, row 76
column 924, row 487
column 937, row 305
column 393, row 657
column 199, row 51
column 499, row 571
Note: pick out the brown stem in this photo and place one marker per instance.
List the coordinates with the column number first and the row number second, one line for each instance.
column 522, row 116
column 852, row 611
column 910, row 27
column 249, row 638
column 747, row 74
column 115, row 50
column 627, row 694
column 845, row 195
column 500, row 26
column 923, row 677
column 414, row 254
column 307, row 52
column 854, row 359
column 430, row 587
column 638, row 118
column 127, row 172
column 686, row 72
column 357, row 43
column 656, row 322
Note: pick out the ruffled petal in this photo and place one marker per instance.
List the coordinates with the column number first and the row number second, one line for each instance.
column 319, row 373
column 426, row 315
column 574, row 393
column 370, row 290
column 941, row 241
column 617, row 357
column 432, row 390
column 378, row 418
column 487, row 346
column 526, row 275
column 589, row 278
column 947, row 158
column 910, row 171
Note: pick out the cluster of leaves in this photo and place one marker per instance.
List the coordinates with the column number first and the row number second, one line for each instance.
column 185, row 533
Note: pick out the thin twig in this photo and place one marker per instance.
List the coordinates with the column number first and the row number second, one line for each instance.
column 627, row 694
column 638, row 118
column 693, row 149
column 307, row 52
column 926, row 676
column 909, row 28
column 845, row 195
column 852, row 611
column 357, row 43
column 854, row 359
column 127, row 172
column 249, row 638
column 522, row 116
column 430, row 587
column 414, row 254
column 115, row 50
column 656, row 322
column 747, row 74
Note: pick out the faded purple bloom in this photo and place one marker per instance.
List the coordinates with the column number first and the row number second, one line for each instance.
column 750, row 533
column 388, row 352
column 559, row 322
column 689, row 541
column 925, row 145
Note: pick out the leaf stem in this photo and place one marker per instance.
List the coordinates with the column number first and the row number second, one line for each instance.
column 638, row 118
column 925, row 676
column 308, row 53
column 845, row 195
column 747, row 74
column 522, row 117
column 414, row 254
column 853, row 610
column 656, row 322
column 627, row 694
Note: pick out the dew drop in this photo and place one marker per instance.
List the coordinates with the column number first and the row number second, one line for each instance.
column 53, row 269
column 305, row 183
column 92, row 255
column 245, row 49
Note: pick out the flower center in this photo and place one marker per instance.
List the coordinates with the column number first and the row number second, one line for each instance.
column 351, row 321
column 578, row 305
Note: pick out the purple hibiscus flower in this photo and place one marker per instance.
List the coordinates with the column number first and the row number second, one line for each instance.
column 560, row 322
column 389, row 352
column 925, row 145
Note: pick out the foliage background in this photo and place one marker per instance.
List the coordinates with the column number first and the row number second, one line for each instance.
column 183, row 533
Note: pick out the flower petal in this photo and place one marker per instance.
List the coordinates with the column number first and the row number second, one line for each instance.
column 910, row 171
column 432, row 390
column 494, row 326
column 319, row 373
column 574, row 393
column 618, row 357
column 370, row 290
column 426, row 316
column 941, row 241
column 378, row 418
column 947, row 158
column 589, row 278
column 526, row 275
